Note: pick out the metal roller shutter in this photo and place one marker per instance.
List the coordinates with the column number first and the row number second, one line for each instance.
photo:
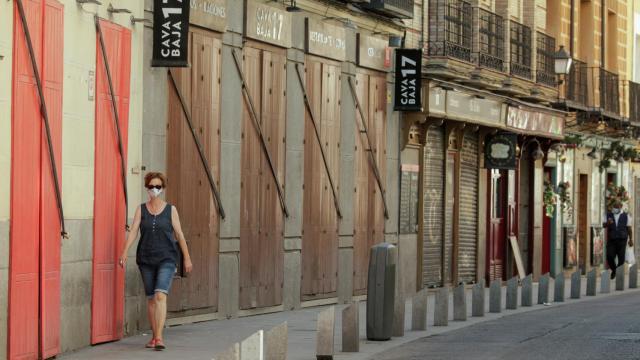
column 468, row 222
column 433, row 207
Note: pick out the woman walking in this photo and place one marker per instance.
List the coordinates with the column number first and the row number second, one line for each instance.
column 157, row 252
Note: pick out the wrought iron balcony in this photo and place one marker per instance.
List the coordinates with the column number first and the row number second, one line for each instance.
column 520, row 40
column 545, row 72
column 609, row 92
column 450, row 30
column 489, row 47
column 577, row 83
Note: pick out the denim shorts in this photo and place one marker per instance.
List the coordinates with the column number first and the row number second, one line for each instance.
column 157, row 278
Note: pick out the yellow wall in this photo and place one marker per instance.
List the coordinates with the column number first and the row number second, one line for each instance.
column 6, row 33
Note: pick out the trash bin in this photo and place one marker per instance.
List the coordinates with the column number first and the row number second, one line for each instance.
column 381, row 291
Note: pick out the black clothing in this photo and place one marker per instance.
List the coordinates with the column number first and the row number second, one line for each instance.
column 619, row 230
column 616, row 247
column 157, row 241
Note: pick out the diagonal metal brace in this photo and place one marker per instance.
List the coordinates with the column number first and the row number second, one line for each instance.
column 45, row 117
column 317, row 132
column 256, row 123
column 372, row 159
column 116, row 118
column 203, row 158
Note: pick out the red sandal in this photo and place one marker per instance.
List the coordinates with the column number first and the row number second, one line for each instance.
column 151, row 344
column 159, row 345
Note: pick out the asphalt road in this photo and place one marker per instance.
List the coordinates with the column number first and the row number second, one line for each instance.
column 608, row 328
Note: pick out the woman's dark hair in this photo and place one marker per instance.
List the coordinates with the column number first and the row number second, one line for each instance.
column 155, row 175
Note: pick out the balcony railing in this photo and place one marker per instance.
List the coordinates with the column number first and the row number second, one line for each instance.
column 545, row 72
column 609, row 92
column 489, row 47
column 520, row 40
column 634, row 102
column 577, row 83
column 450, row 31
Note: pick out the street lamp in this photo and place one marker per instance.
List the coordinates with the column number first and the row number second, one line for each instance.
column 562, row 61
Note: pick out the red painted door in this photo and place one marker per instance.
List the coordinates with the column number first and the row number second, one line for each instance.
column 34, row 288
column 546, row 230
column 497, row 225
column 107, row 303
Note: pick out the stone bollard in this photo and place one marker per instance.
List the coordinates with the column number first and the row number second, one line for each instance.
column 477, row 306
column 576, row 284
column 495, row 296
column 252, row 348
column 419, row 311
column 399, row 308
column 633, row 276
column 558, row 288
column 620, row 278
column 351, row 328
column 325, row 334
column 441, row 311
column 527, row 291
column 605, row 282
column 275, row 343
column 232, row 353
column 512, row 293
column 459, row 303
column 543, row 289
column 592, row 278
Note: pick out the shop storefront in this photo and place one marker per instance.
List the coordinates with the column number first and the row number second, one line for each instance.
column 456, row 124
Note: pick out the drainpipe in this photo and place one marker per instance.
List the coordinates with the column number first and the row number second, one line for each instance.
column 571, row 28
column 602, row 37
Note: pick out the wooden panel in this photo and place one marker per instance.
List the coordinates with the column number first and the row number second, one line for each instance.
column 361, row 196
column 468, row 202
column 26, row 142
column 433, row 210
column 262, row 223
column 320, row 222
column 108, row 279
column 52, row 70
column 189, row 188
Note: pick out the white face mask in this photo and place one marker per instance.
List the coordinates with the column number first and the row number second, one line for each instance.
column 153, row 193
column 616, row 210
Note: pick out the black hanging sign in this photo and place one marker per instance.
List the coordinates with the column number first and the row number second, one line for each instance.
column 170, row 33
column 408, row 87
column 500, row 151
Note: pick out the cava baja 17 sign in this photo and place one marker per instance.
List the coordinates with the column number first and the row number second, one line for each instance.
column 500, row 151
column 170, row 33
column 408, row 80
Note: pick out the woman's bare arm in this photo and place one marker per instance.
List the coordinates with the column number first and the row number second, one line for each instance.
column 177, row 229
column 131, row 237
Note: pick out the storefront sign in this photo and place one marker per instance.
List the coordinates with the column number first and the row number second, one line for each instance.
column 372, row 52
column 500, row 151
column 437, row 98
column 170, row 33
column 536, row 122
column 268, row 24
column 210, row 14
column 409, row 198
column 408, row 86
column 326, row 40
column 466, row 107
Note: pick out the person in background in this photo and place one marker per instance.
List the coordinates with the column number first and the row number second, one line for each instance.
column 618, row 225
column 157, row 253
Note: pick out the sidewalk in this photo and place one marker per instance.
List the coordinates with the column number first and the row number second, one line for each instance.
column 203, row 340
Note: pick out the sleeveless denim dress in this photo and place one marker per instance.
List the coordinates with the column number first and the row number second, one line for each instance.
column 157, row 251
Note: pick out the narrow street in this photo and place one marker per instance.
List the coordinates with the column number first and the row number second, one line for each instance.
column 607, row 328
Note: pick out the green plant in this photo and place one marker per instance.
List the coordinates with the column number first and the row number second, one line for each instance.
column 616, row 151
column 575, row 140
column 565, row 195
column 550, row 199
column 616, row 194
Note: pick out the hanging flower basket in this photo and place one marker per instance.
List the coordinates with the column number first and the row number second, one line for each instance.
column 616, row 194
column 550, row 199
column 565, row 195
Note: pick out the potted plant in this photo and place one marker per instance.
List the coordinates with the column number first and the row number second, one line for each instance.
column 616, row 194
column 550, row 199
column 565, row 195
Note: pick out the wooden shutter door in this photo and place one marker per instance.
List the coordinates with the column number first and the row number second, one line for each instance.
column 468, row 202
column 52, row 71
column 433, row 207
column 320, row 224
column 25, row 190
column 362, row 189
column 34, row 289
column 377, row 130
column 107, row 303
